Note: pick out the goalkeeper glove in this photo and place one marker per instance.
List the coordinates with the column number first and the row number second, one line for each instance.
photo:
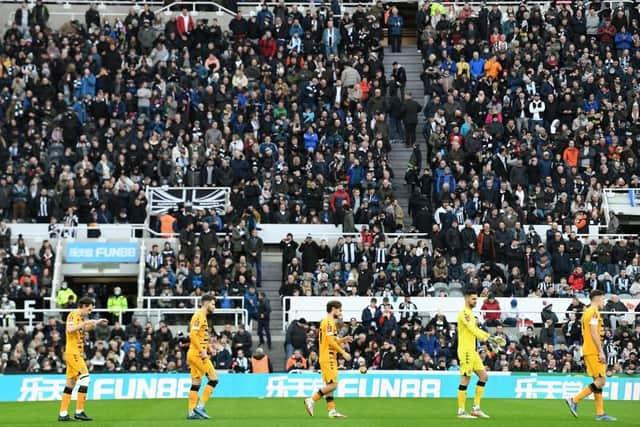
column 496, row 341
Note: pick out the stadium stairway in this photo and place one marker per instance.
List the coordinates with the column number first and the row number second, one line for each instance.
column 411, row 60
column 271, row 274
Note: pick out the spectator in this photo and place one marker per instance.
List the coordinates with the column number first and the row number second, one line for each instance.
column 428, row 343
column 92, row 17
column 241, row 364
column 264, row 314
column 492, row 312
column 288, row 247
column 22, row 18
column 64, row 295
column 572, row 330
column 395, row 24
column 242, row 341
column 117, row 305
column 296, row 336
column 251, row 303
column 410, row 119
column 253, row 248
column 547, row 333
column 614, row 305
column 577, row 280
column 371, row 314
column 40, row 15
column 398, row 80
column 408, row 310
column 512, row 316
column 547, row 313
column 296, row 362
column 184, row 24
column 260, row 362
column 223, row 358
column 331, row 39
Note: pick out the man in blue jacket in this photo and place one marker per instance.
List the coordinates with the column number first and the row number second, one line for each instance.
column 251, row 302
column 395, row 23
column 476, row 66
column 371, row 314
column 428, row 343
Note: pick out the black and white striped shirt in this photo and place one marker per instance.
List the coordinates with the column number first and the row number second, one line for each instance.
column 154, row 261
column 381, row 255
column 349, row 251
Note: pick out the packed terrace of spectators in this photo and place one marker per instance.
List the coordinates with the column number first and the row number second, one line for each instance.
column 529, row 113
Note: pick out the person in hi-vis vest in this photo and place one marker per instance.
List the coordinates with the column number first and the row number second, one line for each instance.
column 167, row 224
column 260, row 363
column 116, row 304
column 63, row 296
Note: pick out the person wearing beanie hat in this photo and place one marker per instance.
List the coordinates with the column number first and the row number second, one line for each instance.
column 512, row 315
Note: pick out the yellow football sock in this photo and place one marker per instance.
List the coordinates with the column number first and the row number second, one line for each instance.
column 206, row 394
column 331, row 405
column 193, row 399
column 82, row 397
column 478, row 395
column 599, row 403
column 584, row 393
column 316, row 396
column 64, row 404
column 462, row 397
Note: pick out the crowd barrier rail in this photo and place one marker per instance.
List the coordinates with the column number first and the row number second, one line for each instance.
column 32, row 316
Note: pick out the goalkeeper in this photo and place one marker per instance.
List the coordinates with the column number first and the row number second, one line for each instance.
column 468, row 356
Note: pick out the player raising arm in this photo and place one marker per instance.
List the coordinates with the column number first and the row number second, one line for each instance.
column 468, row 356
column 329, row 349
column 199, row 361
column 594, row 358
column 77, row 371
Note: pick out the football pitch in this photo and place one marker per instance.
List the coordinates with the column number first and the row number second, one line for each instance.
column 291, row 413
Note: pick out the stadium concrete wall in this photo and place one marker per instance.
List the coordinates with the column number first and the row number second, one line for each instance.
column 393, row 384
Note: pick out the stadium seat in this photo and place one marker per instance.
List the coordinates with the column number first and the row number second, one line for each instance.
column 440, row 286
column 455, row 285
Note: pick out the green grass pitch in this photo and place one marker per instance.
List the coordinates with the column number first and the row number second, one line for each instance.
column 291, row 413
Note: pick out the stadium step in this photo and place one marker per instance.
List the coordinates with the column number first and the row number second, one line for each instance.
column 271, row 281
column 399, row 157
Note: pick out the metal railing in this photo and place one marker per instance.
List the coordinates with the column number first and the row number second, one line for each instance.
column 153, row 315
column 451, row 315
column 195, row 7
column 57, row 277
column 120, row 232
column 308, row 4
column 142, row 264
column 194, row 300
column 450, row 5
column 100, row 4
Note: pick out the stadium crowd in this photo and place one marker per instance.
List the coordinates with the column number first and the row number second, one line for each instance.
column 381, row 341
column 281, row 107
column 526, row 264
column 529, row 115
column 131, row 348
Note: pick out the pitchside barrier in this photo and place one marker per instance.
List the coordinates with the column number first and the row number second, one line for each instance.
column 271, row 234
column 313, row 309
column 29, row 388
